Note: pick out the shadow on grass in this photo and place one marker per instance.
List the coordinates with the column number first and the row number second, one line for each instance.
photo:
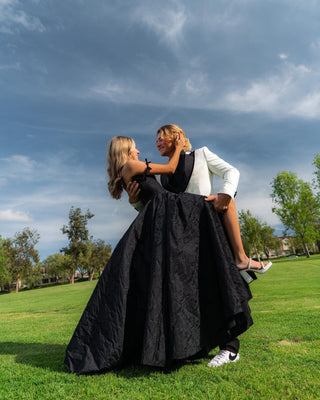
column 41, row 355
column 136, row 371
column 51, row 357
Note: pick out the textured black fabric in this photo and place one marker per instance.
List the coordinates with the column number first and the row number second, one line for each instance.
column 170, row 291
column 178, row 182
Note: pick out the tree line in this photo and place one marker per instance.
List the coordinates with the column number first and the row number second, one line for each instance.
column 296, row 202
column 19, row 259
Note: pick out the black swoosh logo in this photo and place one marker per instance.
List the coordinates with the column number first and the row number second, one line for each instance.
column 231, row 357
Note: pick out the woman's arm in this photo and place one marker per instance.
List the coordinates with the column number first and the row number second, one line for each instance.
column 136, row 167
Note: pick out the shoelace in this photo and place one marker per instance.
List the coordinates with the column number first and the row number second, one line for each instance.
column 221, row 355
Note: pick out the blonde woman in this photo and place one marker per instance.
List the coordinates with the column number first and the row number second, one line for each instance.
column 124, row 164
column 170, row 290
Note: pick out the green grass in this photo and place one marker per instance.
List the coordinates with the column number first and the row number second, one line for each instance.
column 280, row 356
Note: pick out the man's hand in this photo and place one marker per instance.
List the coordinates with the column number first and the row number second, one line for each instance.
column 220, row 201
column 133, row 191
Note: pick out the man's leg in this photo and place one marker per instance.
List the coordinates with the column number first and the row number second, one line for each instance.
column 229, row 352
column 233, row 345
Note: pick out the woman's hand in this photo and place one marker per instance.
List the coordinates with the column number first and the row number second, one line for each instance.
column 180, row 141
column 133, row 191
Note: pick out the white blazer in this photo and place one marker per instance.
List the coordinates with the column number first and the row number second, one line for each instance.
column 206, row 165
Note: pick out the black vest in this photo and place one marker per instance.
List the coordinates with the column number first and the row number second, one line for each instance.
column 178, row 182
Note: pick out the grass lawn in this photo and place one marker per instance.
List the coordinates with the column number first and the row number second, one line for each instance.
column 280, row 356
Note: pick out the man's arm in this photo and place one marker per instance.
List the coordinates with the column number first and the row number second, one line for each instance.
column 220, row 201
column 226, row 171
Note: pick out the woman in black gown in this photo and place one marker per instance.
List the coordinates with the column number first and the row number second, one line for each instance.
column 171, row 290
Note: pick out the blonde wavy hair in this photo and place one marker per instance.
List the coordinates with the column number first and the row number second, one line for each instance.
column 118, row 154
column 169, row 134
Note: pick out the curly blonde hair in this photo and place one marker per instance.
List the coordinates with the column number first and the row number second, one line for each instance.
column 169, row 133
column 118, row 154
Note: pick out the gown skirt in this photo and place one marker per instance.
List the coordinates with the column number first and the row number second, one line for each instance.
column 171, row 291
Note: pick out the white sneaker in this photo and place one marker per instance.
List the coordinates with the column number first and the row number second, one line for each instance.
column 223, row 357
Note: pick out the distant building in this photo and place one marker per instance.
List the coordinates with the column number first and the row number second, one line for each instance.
column 290, row 245
column 287, row 246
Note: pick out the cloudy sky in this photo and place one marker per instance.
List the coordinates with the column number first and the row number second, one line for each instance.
column 241, row 77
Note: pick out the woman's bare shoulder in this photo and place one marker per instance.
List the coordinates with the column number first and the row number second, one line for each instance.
column 133, row 167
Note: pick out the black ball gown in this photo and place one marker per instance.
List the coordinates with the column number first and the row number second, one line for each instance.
column 170, row 291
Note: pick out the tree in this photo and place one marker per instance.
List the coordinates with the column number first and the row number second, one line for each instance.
column 5, row 278
column 34, row 276
column 58, row 267
column 101, row 253
column 296, row 206
column 85, row 259
column 251, row 230
column 77, row 233
column 68, row 268
column 268, row 240
column 316, row 163
column 21, row 254
column 316, row 182
column 295, row 245
column 95, row 258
